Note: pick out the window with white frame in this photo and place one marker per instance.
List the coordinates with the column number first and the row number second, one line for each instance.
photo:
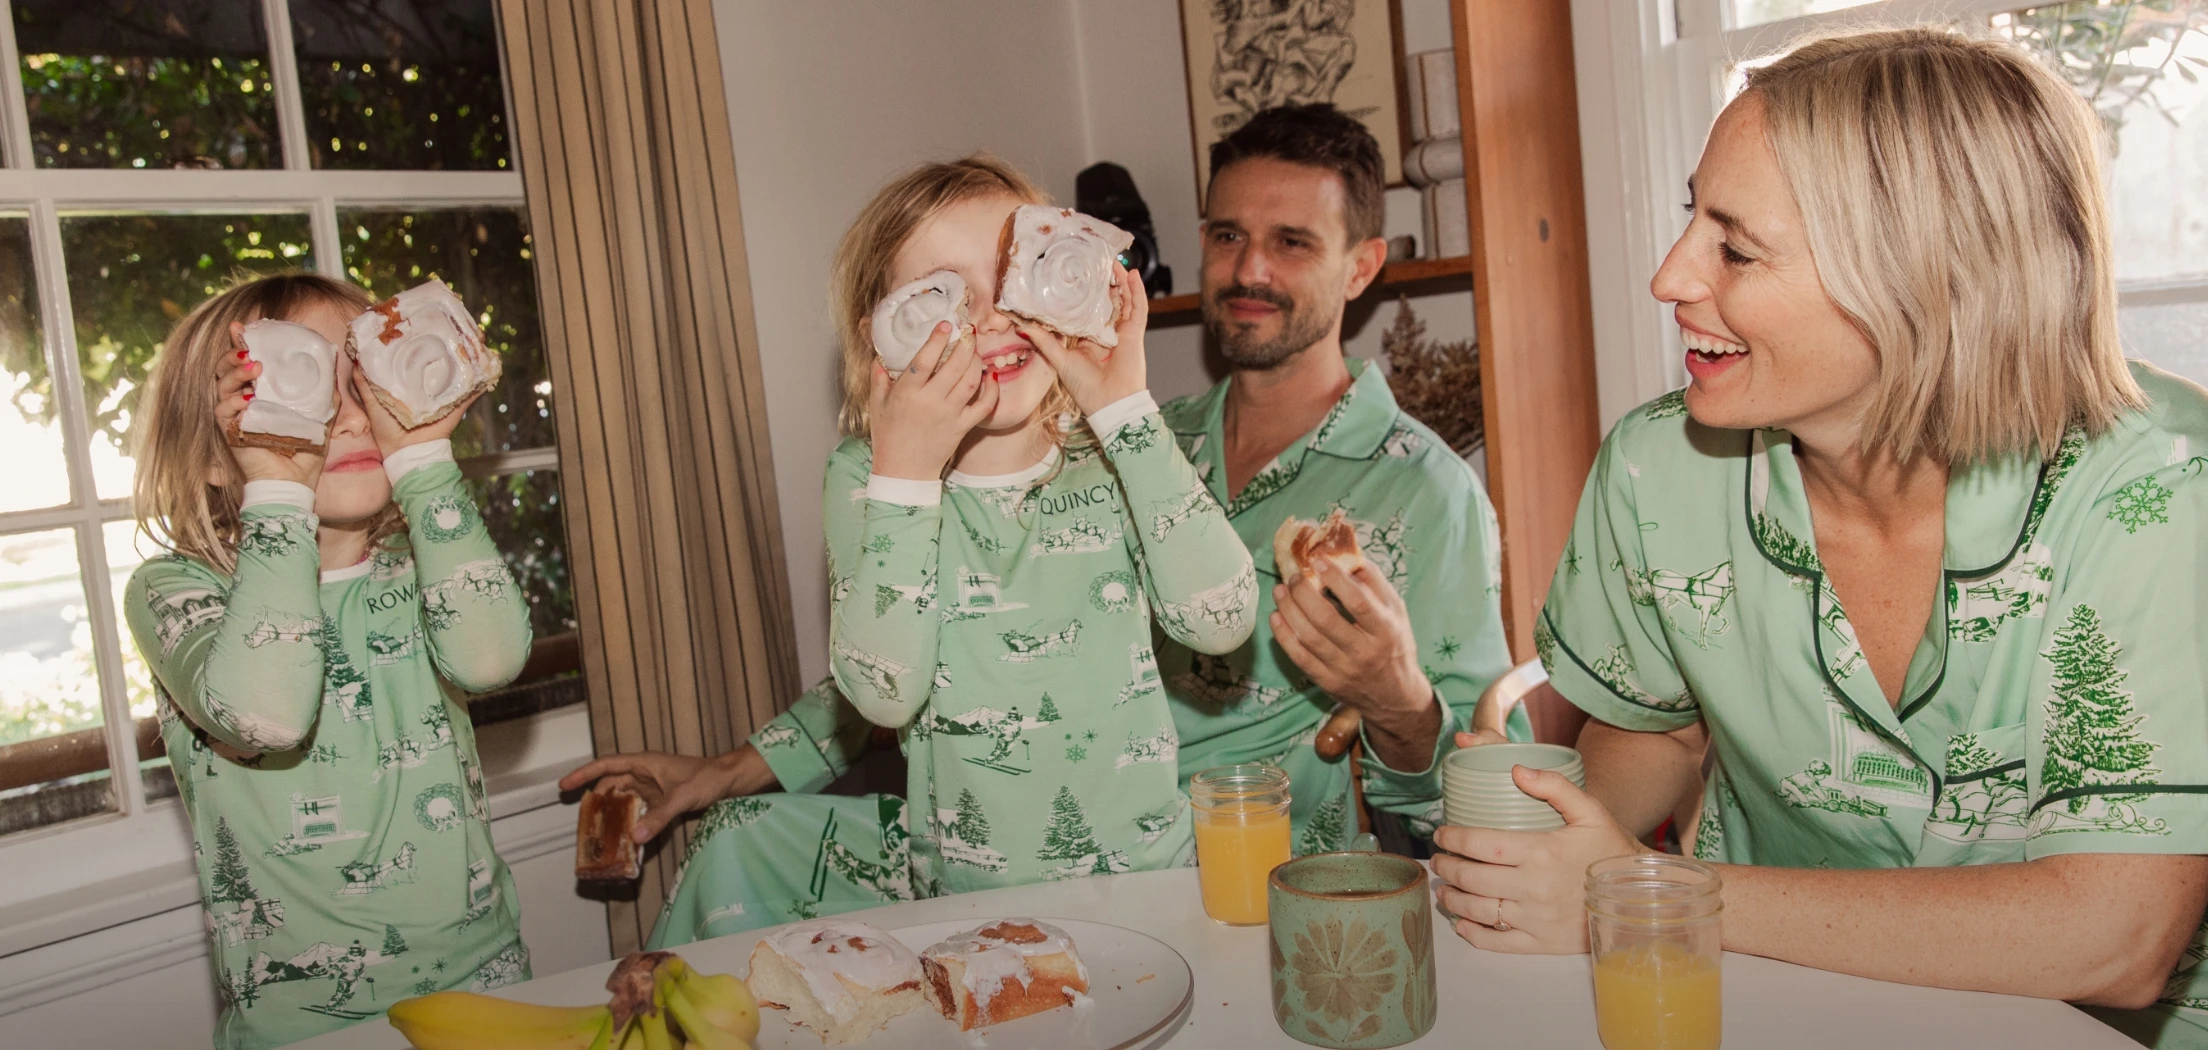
column 156, row 150
column 2142, row 64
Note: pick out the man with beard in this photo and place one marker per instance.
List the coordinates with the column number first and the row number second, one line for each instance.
column 1291, row 235
column 1297, row 429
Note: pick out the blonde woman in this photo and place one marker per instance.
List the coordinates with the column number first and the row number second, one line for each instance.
column 309, row 631
column 994, row 583
column 1917, row 555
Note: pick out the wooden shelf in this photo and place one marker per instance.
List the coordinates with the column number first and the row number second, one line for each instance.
column 1183, row 309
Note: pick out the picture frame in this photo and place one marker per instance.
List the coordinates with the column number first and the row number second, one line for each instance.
column 1248, row 55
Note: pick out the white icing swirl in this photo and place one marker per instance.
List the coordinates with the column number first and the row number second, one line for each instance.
column 423, row 349
column 1057, row 271
column 296, row 393
column 905, row 318
column 989, row 960
column 826, row 948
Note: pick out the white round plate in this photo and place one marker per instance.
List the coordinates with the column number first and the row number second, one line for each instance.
column 1141, row 989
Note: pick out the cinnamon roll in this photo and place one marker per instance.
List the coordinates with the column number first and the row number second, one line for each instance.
column 1057, row 270
column 906, row 317
column 295, row 395
column 422, row 353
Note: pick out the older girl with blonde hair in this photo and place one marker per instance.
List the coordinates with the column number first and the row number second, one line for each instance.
column 1915, row 557
column 1004, row 521
column 311, row 630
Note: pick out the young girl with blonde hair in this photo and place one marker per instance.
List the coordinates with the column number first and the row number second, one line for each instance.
column 310, row 631
column 1002, row 521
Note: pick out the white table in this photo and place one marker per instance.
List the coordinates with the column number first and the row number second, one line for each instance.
column 1487, row 999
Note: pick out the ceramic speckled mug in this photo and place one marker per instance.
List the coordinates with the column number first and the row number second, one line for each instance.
column 1352, row 949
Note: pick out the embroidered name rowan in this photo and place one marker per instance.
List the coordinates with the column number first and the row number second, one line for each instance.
column 390, row 599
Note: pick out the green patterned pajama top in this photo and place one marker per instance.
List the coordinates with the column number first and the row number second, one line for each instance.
column 2057, row 703
column 315, row 725
column 1003, row 624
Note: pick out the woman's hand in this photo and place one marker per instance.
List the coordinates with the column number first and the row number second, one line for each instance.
column 1525, row 891
column 233, row 388
column 672, row 785
column 920, row 417
column 390, row 434
column 1097, row 377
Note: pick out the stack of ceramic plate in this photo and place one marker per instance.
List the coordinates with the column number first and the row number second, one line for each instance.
column 1477, row 791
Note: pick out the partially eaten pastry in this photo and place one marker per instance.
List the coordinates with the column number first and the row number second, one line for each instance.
column 295, row 395
column 906, row 317
column 842, row 979
column 422, row 353
column 606, row 849
column 1006, row 969
column 1056, row 269
column 1300, row 547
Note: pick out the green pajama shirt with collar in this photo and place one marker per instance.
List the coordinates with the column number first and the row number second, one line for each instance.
column 1424, row 521
column 2056, row 703
column 325, row 759
column 1003, row 625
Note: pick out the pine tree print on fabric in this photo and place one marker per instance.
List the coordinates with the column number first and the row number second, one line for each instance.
column 2092, row 736
column 393, row 944
column 1667, row 406
column 344, row 686
column 230, row 882
column 1327, row 830
column 962, row 836
column 2143, row 502
column 1069, row 838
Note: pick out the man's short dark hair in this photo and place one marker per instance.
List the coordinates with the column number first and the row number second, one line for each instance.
column 1321, row 136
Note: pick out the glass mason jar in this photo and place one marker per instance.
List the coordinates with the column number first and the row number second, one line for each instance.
column 1241, row 816
column 1652, row 927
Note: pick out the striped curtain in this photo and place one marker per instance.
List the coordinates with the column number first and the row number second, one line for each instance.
column 622, row 136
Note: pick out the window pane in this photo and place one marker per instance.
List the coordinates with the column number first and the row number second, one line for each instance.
column 53, row 756
column 132, row 277
column 1757, row 12
column 35, row 472
column 2144, row 66
column 147, row 83
column 484, row 254
column 2172, row 335
column 522, row 513
column 401, row 83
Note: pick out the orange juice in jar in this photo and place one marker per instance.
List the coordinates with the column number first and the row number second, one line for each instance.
column 1652, row 926
column 1241, row 816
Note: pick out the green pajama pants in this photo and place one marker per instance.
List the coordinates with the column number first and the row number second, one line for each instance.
column 770, row 859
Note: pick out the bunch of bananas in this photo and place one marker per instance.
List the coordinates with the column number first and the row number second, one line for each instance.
column 659, row 1003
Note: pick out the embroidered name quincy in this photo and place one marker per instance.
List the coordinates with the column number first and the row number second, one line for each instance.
column 1065, row 501
column 390, row 599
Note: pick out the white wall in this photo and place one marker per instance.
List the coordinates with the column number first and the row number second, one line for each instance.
column 831, row 98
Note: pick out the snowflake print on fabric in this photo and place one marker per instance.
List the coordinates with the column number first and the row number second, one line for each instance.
column 2091, row 733
column 449, row 518
column 2143, row 502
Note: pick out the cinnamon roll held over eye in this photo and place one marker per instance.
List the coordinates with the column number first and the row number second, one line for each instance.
column 422, row 353
column 1057, row 271
column 296, row 392
column 906, row 317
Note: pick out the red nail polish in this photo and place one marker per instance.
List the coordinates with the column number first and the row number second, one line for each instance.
column 241, row 355
column 249, row 395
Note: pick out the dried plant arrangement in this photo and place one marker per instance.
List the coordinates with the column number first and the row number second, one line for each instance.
column 1437, row 383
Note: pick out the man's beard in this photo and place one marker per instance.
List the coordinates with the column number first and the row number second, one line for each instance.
column 1238, row 341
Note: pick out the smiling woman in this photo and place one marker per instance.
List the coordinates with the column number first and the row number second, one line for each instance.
column 1923, row 503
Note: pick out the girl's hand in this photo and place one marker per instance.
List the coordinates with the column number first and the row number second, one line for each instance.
column 1526, row 891
column 1097, row 377
column 233, row 388
column 921, row 416
column 390, row 435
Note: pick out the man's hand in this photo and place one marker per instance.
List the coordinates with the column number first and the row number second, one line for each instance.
column 672, row 785
column 1368, row 660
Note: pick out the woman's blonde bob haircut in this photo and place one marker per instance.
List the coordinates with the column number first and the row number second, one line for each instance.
column 1951, row 188
column 187, row 488
column 860, row 277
